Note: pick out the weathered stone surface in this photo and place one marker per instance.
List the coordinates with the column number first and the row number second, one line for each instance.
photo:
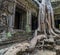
column 16, row 48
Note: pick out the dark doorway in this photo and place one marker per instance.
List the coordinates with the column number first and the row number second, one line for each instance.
column 19, row 18
column 57, row 23
column 34, row 22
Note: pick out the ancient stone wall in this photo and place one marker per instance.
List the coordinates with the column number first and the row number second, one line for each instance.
column 29, row 5
column 6, row 11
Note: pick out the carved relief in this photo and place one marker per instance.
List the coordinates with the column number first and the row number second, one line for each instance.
column 6, row 8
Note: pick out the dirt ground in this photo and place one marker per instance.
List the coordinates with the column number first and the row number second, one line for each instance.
column 45, row 52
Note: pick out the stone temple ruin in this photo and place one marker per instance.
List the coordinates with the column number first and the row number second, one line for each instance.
column 46, row 36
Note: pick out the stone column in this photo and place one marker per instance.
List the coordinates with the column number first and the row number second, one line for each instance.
column 39, row 20
column 28, row 24
column 11, row 17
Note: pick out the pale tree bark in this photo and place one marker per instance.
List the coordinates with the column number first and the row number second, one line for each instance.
column 48, row 20
column 33, row 42
column 53, row 24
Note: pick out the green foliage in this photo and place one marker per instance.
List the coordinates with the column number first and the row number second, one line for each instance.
column 8, row 35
